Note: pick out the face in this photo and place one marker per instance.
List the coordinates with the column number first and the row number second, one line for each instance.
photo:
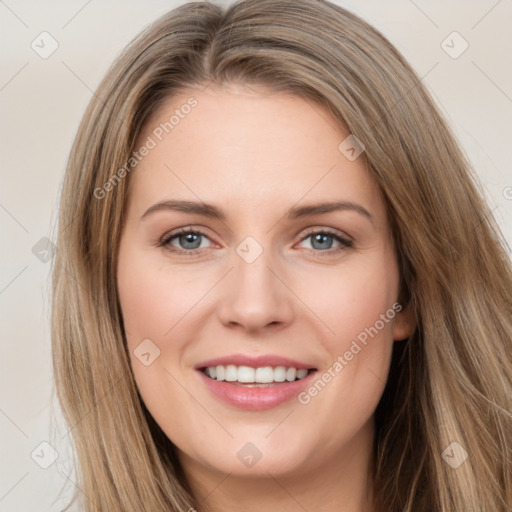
column 262, row 278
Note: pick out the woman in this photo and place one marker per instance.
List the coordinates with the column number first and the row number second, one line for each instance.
column 265, row 368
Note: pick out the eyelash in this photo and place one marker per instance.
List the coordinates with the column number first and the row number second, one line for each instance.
column 166, row 241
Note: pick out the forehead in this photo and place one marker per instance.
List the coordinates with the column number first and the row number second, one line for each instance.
column 248, row 146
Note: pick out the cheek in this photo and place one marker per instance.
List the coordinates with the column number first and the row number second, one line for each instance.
column 161, row 306
column 154, row 311
column 152, row 301
column 359, row 308
column 354, row 299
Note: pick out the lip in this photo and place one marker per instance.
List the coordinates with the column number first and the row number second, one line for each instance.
column 256, row 399
column 255, row 361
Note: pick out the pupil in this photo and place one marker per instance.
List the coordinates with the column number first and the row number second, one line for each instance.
column 189, row 238
column 321, row 238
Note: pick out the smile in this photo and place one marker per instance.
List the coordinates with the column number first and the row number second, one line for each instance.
column 255, row 377
column 254, row 395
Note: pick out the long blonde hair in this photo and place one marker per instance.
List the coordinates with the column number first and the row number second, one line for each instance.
column 450, row 382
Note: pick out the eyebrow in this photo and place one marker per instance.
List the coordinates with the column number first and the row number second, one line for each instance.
column 211, row 211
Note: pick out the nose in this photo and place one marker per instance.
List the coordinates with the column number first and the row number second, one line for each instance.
column 255, row 296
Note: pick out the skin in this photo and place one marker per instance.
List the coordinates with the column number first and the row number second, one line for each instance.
column 255, row 154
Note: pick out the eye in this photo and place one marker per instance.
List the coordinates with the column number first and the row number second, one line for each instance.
column 322, row 241
column 187, row 240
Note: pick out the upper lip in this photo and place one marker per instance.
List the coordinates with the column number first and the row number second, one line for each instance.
column 254, row 361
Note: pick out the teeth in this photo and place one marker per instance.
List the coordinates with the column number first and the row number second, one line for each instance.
column 264, row 375
column 248, row 375
column 291, row 373
column 245, row 374
column 231, row 373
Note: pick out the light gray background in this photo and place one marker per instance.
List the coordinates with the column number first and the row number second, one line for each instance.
column 42, row 101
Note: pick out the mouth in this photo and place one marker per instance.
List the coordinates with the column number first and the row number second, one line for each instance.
column 255, row 388
column 255, row 377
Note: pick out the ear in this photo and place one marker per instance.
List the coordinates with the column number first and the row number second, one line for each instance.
column 404, row 324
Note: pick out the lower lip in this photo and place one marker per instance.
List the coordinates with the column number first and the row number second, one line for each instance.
column 256, row 398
